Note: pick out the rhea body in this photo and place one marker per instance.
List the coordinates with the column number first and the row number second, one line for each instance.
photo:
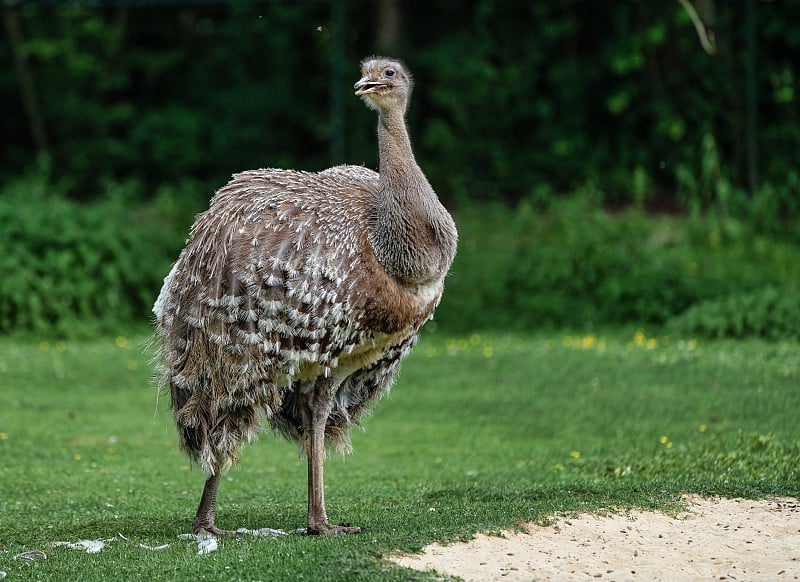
column 296, row 298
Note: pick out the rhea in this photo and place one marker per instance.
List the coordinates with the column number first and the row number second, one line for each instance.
column 296, row 298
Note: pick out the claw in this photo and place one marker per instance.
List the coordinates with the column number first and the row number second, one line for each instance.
column 336, row 530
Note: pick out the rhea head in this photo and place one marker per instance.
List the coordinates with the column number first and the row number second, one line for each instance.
column 385, row 83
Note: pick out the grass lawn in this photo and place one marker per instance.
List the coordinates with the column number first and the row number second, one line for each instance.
column 480, row 432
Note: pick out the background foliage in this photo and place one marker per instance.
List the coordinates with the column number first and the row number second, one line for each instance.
column 578, row 265
column 73, row 268
column 601, row 165
column 519, row 98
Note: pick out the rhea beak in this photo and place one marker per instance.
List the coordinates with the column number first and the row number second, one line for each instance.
column 365, row 85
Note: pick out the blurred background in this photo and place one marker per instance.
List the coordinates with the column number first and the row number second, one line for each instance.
column 607, row 162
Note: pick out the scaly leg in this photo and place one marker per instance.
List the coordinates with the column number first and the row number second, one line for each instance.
column 207, row 511
column 319, row 408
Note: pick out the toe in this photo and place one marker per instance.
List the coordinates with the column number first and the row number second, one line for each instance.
column 336, row 530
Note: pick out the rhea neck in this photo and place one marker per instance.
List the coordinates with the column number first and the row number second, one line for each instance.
column 398, row 167
column 413, row 236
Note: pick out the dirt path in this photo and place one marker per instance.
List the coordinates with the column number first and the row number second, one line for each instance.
column 715, row 539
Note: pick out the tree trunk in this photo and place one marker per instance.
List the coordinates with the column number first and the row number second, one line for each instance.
column 27, row 90
column 388, row 26
column 751, row 75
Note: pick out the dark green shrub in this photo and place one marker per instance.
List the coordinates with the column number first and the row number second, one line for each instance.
column 74, row 269
column 771, row 312
column 574, row 264
column 70, row 269
column 579, row 264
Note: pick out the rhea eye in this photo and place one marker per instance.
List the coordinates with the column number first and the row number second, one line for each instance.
column 389, row 73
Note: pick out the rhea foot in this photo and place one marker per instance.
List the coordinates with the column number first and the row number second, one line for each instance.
column 329, row 529
column 211, row 529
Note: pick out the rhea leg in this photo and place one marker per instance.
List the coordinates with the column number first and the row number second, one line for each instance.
column 317, row 516
column 207, row 511
column 319, row 406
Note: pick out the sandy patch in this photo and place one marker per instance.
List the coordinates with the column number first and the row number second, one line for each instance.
column 715, row 539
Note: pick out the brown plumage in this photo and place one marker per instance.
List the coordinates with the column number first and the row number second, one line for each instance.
column 297, row 296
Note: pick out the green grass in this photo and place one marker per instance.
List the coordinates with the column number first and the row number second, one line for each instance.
column 479, row 433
